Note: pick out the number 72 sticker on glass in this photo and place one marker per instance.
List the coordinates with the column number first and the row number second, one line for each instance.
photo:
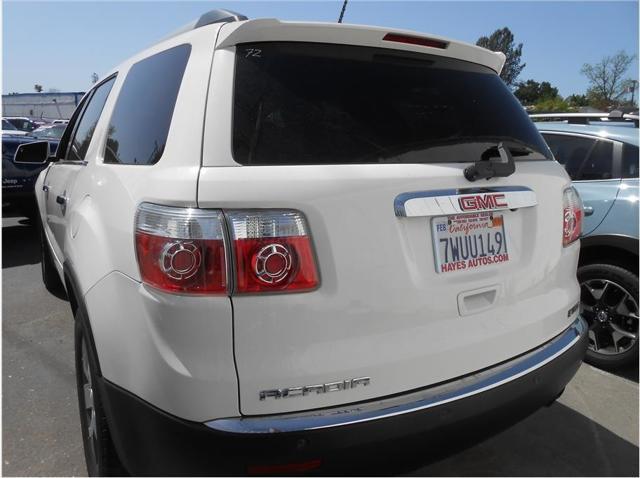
column 468, row 241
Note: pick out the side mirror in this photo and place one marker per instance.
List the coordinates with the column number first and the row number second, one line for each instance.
column 32, row 153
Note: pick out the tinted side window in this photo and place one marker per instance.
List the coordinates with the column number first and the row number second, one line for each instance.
column 66, row 136
column 140, row 123
column 570, row 151
column 629, row 161
column 8, row 125
column 599, row 164
column 87, row 124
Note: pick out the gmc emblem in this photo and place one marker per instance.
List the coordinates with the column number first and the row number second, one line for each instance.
column 480, row 202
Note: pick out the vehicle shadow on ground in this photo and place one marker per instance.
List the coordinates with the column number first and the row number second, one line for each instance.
column 555, row 441
column 630, row 373
column 20, row 243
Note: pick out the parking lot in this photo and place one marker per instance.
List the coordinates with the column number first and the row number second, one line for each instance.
column 591, row 431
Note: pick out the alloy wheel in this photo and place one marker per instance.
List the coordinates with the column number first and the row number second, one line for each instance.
column 612, row 314
column 89, row 404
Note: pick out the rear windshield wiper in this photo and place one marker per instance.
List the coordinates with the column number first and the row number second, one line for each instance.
column 491, row 166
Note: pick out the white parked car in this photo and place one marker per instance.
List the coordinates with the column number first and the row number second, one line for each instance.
column 285, row 241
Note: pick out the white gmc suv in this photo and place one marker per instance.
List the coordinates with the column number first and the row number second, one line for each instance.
column 285, row 242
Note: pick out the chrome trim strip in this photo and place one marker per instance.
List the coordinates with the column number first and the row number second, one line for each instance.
column 438, row 202
column 413, row 402
column 595, row 136
column 605, row 116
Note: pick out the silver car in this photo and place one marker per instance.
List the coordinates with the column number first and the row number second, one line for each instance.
column 601, row 156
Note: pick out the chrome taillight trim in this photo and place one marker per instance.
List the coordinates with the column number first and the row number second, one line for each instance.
column 264, row 223
column 179, row 222
column 442, row 202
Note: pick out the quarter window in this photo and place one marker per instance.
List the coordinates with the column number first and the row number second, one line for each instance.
column 584, row 159
column 142, row 115
column 599, row 164
column 88, row 121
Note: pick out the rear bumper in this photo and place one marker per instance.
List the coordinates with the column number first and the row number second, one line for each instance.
column 150, row 441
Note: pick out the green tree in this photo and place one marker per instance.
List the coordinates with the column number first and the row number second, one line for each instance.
column 552, row 105
column 530, row 92
column 502, row 40
column 38, row 88
column 576, row 101
column 596, row 100
column 607, row 82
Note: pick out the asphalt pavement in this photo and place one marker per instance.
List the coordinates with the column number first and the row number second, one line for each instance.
column 592, row 430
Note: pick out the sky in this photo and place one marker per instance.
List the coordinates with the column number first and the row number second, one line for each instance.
column 60, row 44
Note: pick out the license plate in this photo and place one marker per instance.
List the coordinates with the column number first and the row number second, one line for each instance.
column 469, row 241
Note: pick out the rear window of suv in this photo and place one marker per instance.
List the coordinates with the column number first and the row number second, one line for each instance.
column 314, row 103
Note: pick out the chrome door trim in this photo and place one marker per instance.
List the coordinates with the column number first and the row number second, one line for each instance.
column 442, row 202
column 458, row 389
column 79, row 162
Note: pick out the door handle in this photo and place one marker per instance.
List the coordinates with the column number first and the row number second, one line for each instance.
column 588, row 210
column 61, row 200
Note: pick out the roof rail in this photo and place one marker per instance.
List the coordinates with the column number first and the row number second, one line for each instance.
column 583, row 118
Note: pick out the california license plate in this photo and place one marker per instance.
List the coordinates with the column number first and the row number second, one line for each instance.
column 469, row 241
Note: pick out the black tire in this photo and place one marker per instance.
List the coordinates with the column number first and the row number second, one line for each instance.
column 100, row 454
column 50, row 276
column 620, row 280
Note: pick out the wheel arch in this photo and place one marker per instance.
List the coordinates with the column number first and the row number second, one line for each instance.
column 70, row 286
column 615, row 249
column 76, row 301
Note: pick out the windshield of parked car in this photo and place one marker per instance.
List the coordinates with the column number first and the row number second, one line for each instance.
column 312, row 103
column 22, row 124
column 50, row 132
column 8, row 126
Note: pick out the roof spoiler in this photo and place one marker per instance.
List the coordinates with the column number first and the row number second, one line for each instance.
column 583, row 118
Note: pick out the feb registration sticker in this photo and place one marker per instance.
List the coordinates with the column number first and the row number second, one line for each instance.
column 469, row 241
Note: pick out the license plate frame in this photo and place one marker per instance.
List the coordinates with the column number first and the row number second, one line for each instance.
column 482, row 236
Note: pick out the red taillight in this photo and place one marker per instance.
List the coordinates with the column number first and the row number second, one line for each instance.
column 272, row 251
column 430, row 42
column 181, row 250
column 184, row 250
column 572, row 215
